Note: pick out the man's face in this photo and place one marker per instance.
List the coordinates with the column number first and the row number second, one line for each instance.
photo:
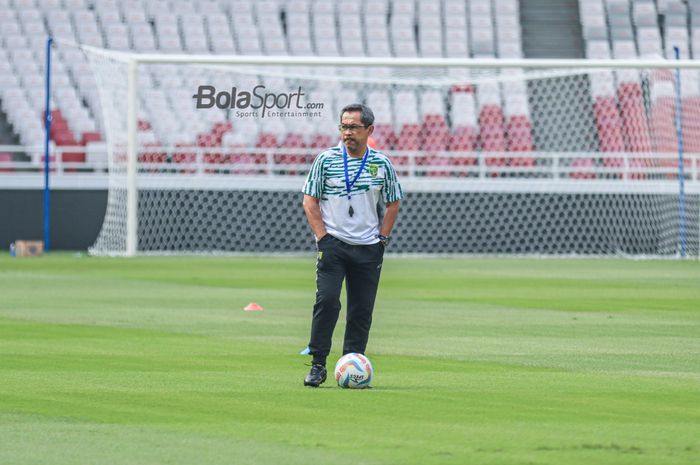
column 357, row 136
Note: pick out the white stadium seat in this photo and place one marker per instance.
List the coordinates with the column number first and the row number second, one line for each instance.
column 376, row 28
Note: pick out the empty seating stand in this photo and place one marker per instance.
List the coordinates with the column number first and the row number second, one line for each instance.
column 448, row 125
column 642, row 28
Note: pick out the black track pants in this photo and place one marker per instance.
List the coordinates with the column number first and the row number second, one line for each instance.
column 360, row 266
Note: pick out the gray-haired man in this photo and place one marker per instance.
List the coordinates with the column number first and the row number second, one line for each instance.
column 341, row 194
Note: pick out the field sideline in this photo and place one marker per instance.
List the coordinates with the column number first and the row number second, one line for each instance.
column 152, row 361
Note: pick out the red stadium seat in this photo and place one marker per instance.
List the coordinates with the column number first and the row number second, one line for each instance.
column 691, row 124
column 432, row 161
column 65, row 138
column 183, row 156
column 5, row 158
column 242, row 163
column 663, row 125
column 151, row 158
column 609, row 129
column 608, row 124
column 587, row 163
column 221, row 128
column 292, row 141
column 435, row 136
column 634, row 123
column 58, row 124
column 634, row 120
column 317, row 143
column 409, row 140
column 90, row 137
column 52, row 162
column 519, row 139
column 492, row 134
column 211, row 156
column 519, row 134
column 384, row 136
column 207, row 140
column 635, row 164
column 62, row 136
column 435, row 133
column 267, row 140
column 469, row 88
column 463, row 139
column 321, row 141
column 663, row 129
column 410, row 137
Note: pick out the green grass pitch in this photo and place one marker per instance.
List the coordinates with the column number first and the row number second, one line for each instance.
column 151, row 361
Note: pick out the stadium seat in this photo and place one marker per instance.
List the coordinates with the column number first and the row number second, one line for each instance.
column 491, row 124
column 463, row 139
column 519, row 137
column 634, row 121
column 662, row 121
column 676, row 14
column 482, row 37
column 586, row 167
column 379, row 28
column 320, row 141
column 644, row 14
column 108, row 15
column 634, row 127
column 285, row 162
column 267, row 140
column 518, row 126
column 464, row 136
column 436, row 137
column 90, row 136
column 5, row 159
column 691, row 123
column 609, row 128
column 212, row 153
column 649, row 41
column 385, row 136
column 181, row 156
column 151, row 158
column 492, row 134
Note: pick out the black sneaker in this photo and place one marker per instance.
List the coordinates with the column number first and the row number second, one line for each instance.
column 316, row 376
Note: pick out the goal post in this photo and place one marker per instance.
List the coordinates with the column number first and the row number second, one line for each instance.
column 132, row 162
column 541, row 157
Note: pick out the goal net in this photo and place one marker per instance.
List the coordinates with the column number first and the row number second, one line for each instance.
column 208, row 154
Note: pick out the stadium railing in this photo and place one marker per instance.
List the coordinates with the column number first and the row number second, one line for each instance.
column 290, row 162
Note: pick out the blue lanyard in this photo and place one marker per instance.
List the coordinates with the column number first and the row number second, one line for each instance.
column 348, row 184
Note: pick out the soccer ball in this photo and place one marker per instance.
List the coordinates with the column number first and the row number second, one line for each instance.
column 353, row 371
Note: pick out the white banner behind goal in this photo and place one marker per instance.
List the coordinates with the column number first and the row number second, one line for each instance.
column 497, row 157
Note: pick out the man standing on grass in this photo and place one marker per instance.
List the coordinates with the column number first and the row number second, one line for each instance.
column 341, row 197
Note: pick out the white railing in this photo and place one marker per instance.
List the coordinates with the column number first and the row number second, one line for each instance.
column 277, row 163
column 95, row 159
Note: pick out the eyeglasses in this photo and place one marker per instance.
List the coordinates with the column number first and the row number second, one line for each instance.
column 351, row 127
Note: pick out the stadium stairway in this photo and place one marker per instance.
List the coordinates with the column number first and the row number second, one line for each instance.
column 8, row 136
column 551, row 29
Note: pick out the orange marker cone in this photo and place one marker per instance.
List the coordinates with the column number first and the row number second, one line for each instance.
column 252, row 307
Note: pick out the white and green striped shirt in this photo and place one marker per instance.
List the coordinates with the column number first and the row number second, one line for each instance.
column 378, row 181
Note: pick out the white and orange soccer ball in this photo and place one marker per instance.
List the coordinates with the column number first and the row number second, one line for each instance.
column 354, row 371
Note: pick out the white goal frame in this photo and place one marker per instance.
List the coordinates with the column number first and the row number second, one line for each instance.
column 134, row 60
